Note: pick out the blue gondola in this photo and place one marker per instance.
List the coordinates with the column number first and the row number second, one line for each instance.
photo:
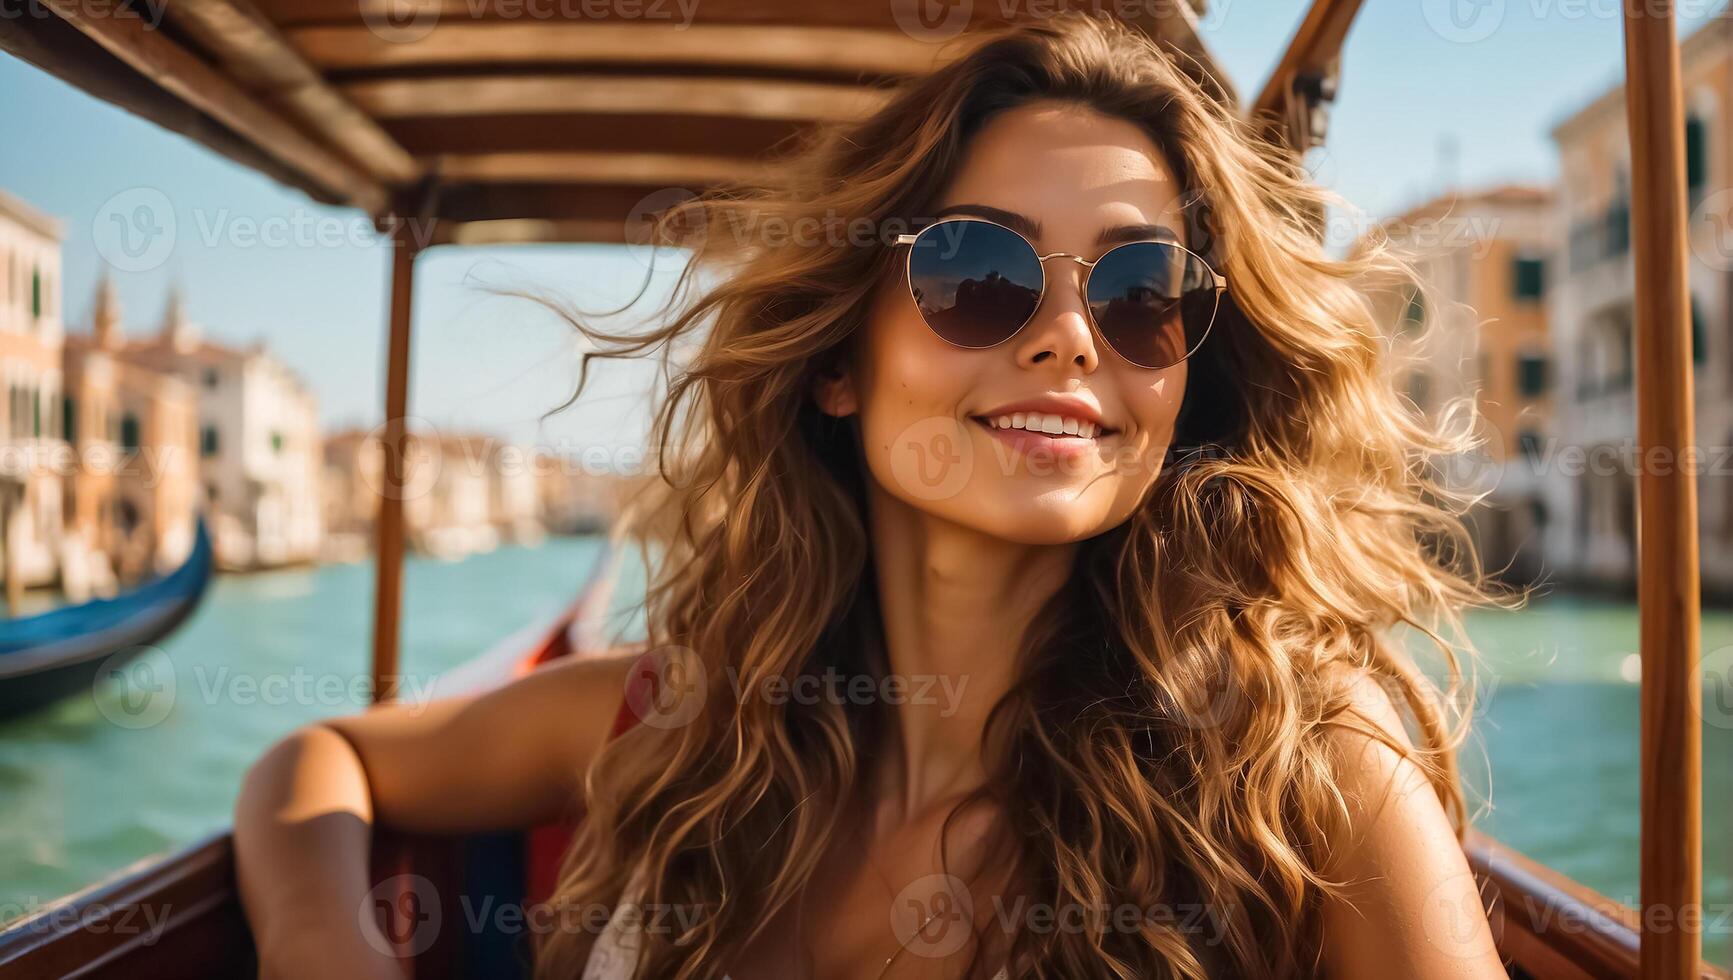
column 47, row 657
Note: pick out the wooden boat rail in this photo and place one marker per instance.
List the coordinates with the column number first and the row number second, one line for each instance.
column 181, row 917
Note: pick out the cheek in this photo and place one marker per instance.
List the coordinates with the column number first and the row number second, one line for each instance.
column 905, row 373
column 1153, row 400
column 912, row 388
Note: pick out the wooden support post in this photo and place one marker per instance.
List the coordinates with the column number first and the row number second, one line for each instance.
column 1667, row 574
column 388, row 555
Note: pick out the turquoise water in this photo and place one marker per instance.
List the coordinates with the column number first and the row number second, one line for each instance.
column 99, row 782
column 95, row 784
column 1557, row 741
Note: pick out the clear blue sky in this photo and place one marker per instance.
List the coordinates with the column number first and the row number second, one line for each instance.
column 1492, row 82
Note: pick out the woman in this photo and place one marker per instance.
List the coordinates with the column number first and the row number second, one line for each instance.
column 1041, row 509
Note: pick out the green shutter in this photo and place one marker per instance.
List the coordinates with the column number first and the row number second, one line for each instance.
column 1696, row 154
column 1698, row 353
column 1528, row 278
column 1531, row 375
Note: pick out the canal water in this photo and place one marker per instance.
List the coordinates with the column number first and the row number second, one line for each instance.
column 99, row 782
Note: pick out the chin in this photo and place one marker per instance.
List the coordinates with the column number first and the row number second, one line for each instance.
column 1060, row 515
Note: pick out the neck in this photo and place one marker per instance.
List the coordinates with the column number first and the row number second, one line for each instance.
column 955, row 605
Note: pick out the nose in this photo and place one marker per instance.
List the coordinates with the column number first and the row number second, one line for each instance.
column 1060, row 332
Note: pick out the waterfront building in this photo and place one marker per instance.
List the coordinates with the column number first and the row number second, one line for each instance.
column 260, row 459
column 462, row 493
column 1479, row 332
column 576, row 498
column 513, row 494
column 31, row 331
column 1592, row 487
column 132, row 490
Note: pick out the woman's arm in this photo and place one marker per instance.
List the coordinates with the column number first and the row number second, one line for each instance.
column 1413, row 908
column 511, row 757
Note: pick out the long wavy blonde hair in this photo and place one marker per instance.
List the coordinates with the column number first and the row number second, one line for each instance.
column 1167, row 740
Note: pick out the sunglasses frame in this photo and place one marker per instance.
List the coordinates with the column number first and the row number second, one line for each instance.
column 1219, row 282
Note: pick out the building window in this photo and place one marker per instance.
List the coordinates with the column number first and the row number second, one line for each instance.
column 1618, row 217
column 211, row 492
column 210, row 377
column 1699, row 347
column 276, row 442
column 129, row 432
column 1531, row 375
column 69, row 418
column 35, row 293
column 208, row 441
column 1529, row 441
column 35, row 412
column 1696, row 154
column 1585, row 245
column 1414, row 312
column 1528, row 278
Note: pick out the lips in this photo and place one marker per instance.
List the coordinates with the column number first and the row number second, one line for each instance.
column 1052, row 414
column 1042, row 450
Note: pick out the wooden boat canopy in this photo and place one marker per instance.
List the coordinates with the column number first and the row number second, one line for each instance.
column 511, row 120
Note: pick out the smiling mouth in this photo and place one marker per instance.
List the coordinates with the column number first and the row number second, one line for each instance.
column 1050, row 426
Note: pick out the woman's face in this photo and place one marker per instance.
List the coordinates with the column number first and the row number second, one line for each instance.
column 1071, row 180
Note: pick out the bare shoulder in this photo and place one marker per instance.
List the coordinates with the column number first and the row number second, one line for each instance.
column 1365, row 743
column 1411, row 905
column 505, row 756
column 589, row 688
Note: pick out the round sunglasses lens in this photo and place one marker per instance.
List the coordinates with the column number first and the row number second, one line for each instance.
column 976, row 283
column 1153, row 302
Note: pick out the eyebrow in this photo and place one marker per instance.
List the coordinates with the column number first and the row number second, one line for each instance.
column 1031, row 229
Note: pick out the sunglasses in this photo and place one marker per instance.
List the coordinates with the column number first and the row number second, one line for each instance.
column 977, row 283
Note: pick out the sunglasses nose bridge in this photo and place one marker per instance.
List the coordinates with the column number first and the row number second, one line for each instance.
column 1086, row 265
column 1089, row 337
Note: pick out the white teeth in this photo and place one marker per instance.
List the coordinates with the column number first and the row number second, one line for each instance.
column 1053, row 425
